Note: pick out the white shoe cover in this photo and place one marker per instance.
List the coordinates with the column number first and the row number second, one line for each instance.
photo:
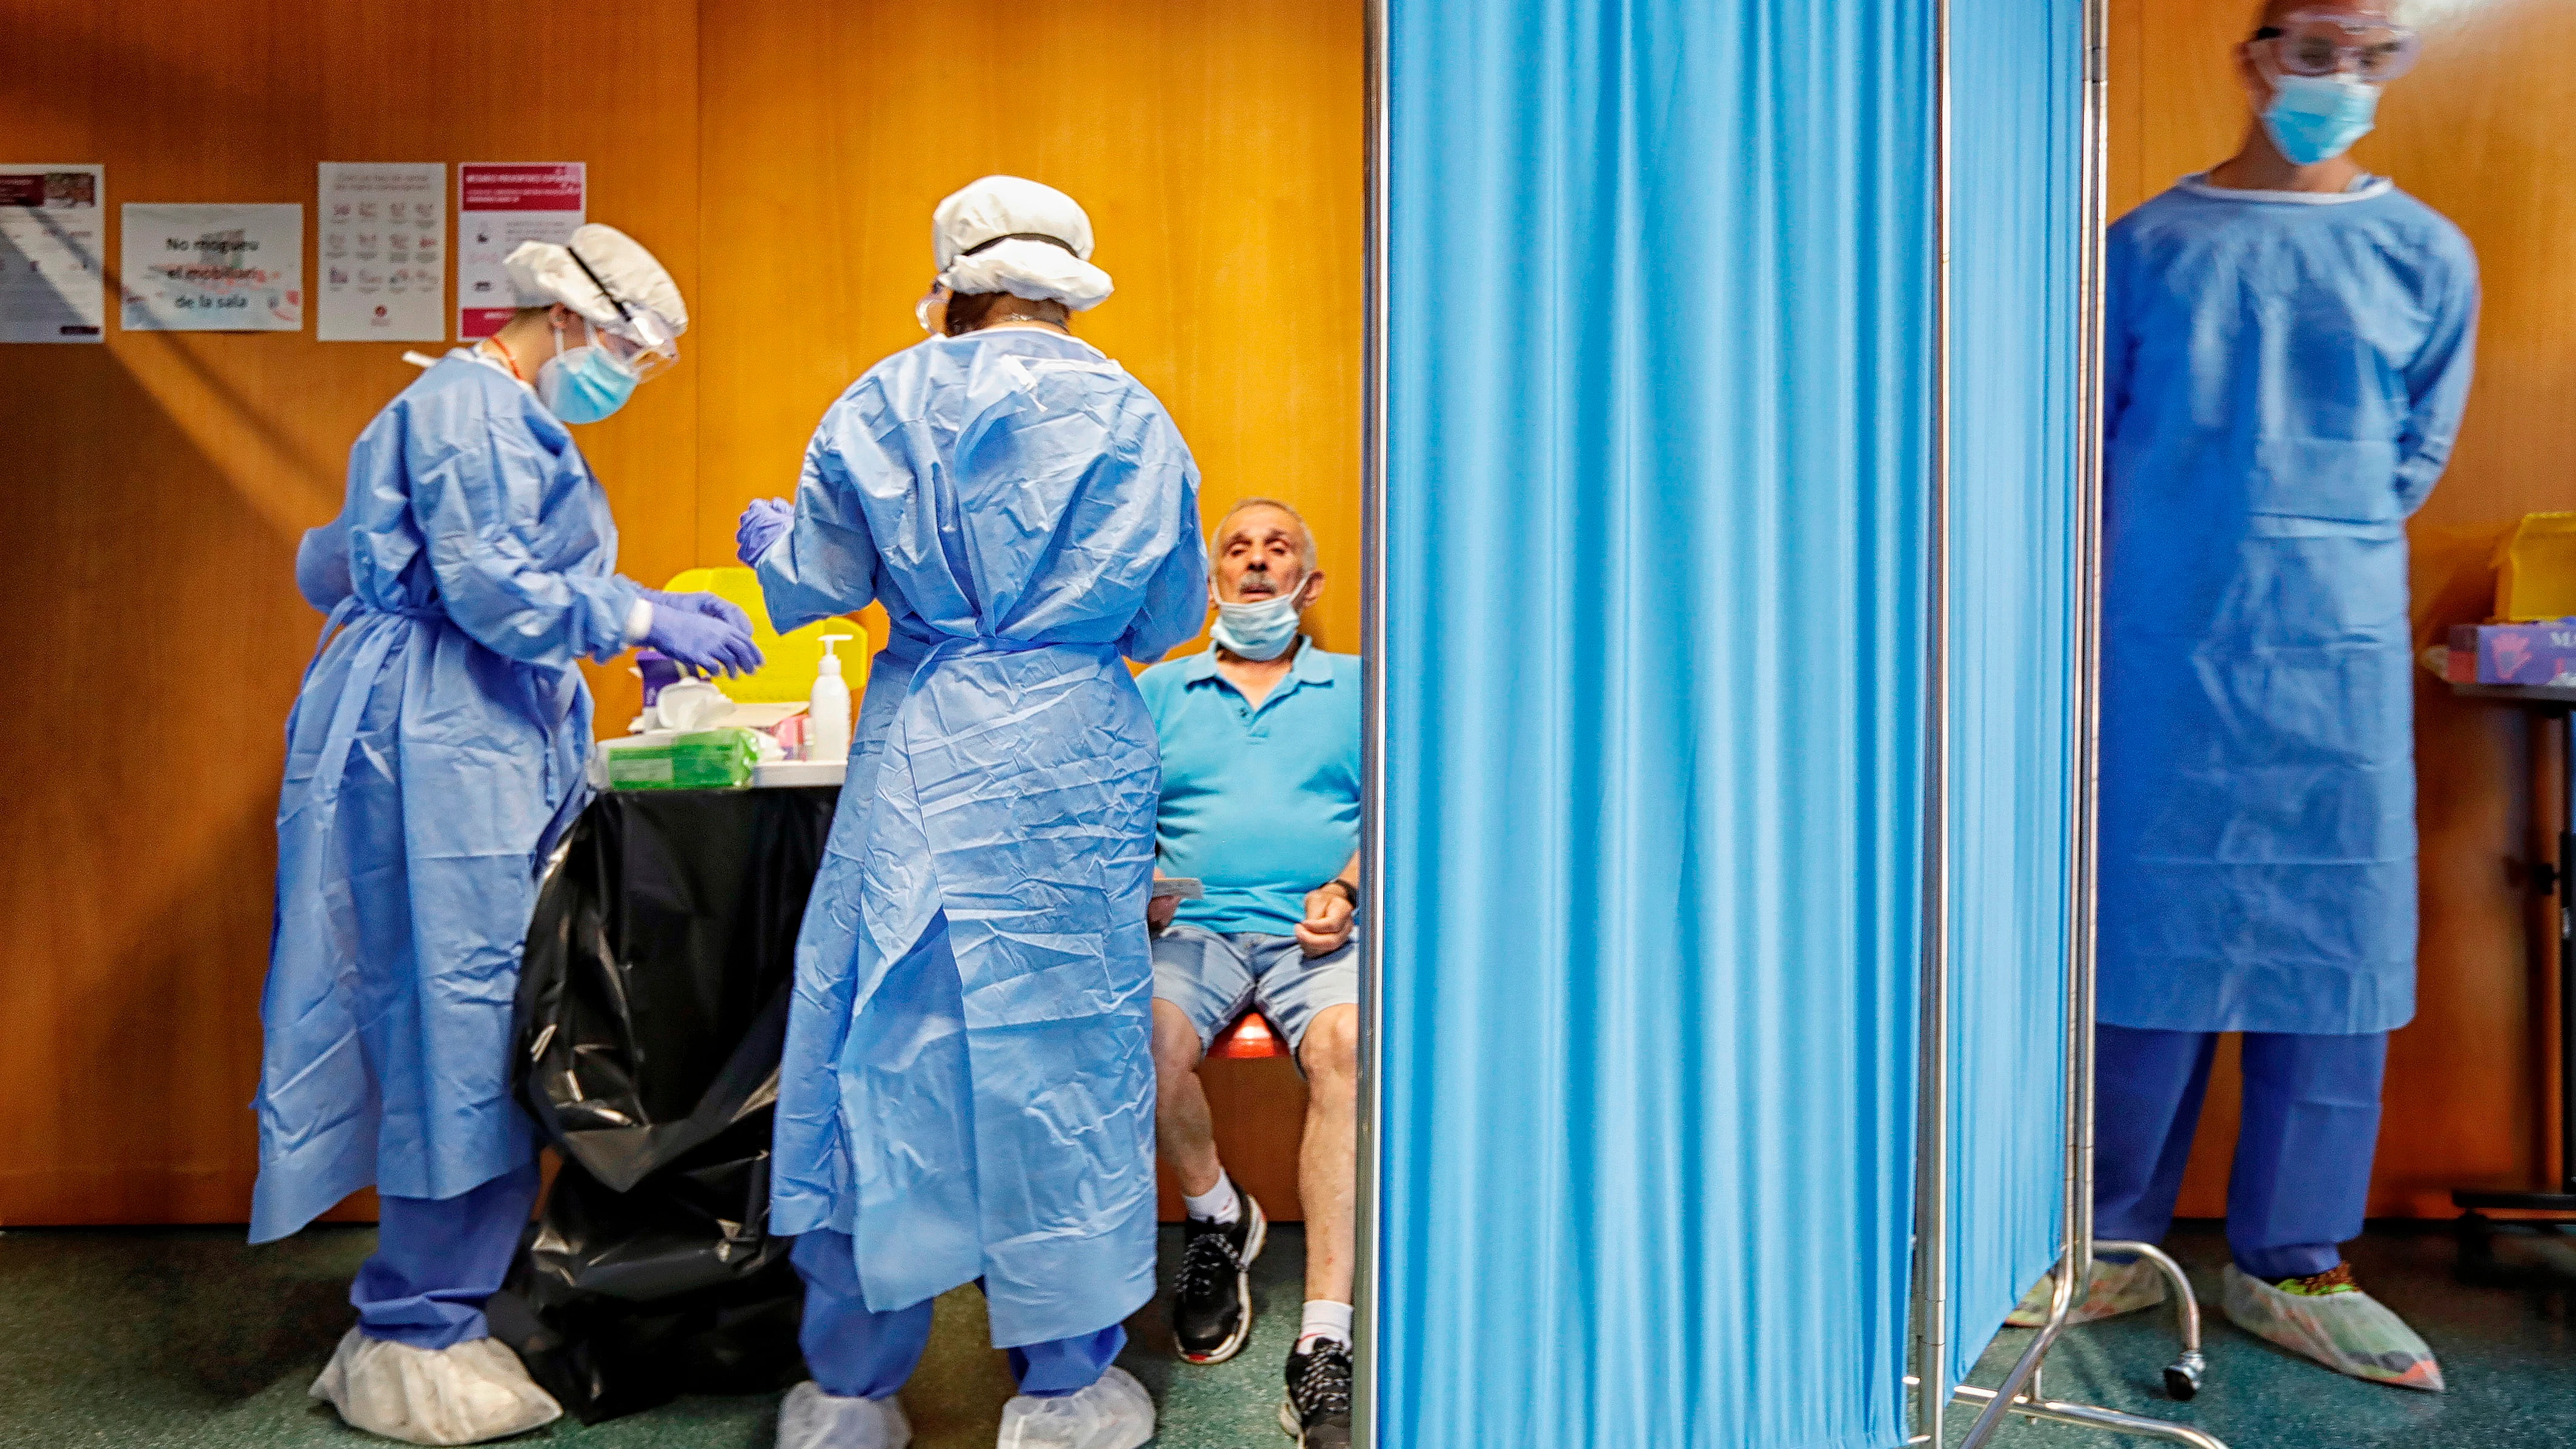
column 2116, row 1288
column 1115, row 1413
column 462, row 1394
column 811, row 1419
column 2351, row 1333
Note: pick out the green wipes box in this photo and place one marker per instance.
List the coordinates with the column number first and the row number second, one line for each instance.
column 701, row 760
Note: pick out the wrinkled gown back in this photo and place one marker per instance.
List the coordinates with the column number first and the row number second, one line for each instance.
column 968, row 1088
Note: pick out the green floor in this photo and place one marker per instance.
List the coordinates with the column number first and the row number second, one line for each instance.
column 2510, row 1358
column 132, row 1339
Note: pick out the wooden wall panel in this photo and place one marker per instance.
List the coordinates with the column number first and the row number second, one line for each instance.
column 2480, row 132
column 154, row 488
column 156, row 485
column 1218, row 147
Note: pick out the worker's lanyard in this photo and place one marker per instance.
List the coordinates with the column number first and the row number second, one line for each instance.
column 508, row 357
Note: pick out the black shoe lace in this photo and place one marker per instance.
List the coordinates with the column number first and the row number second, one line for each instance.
column 1207, row 1262
column 1322, row 1387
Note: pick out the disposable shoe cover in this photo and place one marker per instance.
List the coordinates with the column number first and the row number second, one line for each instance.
column 2117, row 1288
column 812, row 1419
column 2351, row 1333
column 1115, row 1413
column 463, row 1394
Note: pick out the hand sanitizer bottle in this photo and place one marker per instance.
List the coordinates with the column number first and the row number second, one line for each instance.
column 829, row 710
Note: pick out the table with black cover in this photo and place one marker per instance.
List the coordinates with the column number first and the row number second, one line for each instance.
column 2478, row 1232
column 651, row 1012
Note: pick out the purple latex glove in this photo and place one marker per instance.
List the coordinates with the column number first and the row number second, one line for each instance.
column 712, row 606
column 761, row 525
column 700, row 644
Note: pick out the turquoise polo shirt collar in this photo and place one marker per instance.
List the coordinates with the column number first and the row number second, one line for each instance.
column 1311, row 667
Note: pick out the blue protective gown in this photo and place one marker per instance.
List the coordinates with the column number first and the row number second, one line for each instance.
column 2285, row 377
column 434, row 754
column 968, row 1088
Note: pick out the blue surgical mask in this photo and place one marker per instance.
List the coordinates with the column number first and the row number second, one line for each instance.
column 1260, row 630
column 583, row 384
column 2316, row 118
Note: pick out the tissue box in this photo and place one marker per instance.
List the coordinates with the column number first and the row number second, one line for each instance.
column 720, row 759
column 2513, row 653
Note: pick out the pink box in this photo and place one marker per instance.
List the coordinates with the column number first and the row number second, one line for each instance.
column 2513, row 653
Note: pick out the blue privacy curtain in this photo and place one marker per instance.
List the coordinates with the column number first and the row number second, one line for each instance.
column 1659, row 276
column 2015, row 116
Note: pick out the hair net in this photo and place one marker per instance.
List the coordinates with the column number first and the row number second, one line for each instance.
column 1012, row 227
column 545, row 272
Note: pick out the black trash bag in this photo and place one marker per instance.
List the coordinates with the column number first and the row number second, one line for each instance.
column 624, row 1300
column 651, row 1012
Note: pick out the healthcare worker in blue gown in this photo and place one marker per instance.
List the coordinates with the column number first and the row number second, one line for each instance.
column 2289, row 342
column 969, row 1089
column 434, row 755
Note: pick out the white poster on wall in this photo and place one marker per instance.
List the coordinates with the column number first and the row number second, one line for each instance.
column 53, row 245
column 500, row 204
column 219, row 268
column 383, row 252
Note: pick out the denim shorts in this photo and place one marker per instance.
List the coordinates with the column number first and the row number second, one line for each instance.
column 1215, row 978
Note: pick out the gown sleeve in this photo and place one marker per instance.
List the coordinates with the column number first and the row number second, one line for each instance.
column 1176, row 596
column 826, row 562
column 322, row 565
column 476, row 478
column 2437, row 381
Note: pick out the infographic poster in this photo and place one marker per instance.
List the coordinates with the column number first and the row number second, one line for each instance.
column 220, row 268
column 53, row 243
column 500, row 204
column 383, row 252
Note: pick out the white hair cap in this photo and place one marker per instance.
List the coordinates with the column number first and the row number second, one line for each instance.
column 1009, row 234
column 544, row 272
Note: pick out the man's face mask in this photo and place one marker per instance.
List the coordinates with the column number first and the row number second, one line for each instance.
column 1261, row 629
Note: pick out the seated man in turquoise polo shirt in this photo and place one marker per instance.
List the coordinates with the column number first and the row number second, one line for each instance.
column 1261, row 803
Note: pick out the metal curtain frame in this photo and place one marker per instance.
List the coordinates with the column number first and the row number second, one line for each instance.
column 1368, row 1261
column 2020, row 1393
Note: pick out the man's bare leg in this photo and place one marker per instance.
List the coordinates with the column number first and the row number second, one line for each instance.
column 1328, row 1159
column 1182, row 1122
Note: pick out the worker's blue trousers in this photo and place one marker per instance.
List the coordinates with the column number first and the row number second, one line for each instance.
column 437, row 1259
column 854, row 1351
column 2302, row 1172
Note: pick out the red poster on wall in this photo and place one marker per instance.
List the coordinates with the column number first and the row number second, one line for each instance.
column 500, row 204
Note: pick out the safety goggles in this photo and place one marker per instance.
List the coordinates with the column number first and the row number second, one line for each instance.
column 2321, row 43
column 639, row 340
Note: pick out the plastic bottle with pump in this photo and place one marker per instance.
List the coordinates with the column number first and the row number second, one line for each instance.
column 829, row 709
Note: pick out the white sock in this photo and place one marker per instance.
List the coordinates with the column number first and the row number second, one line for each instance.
column 1324, row 1319
column 1219, row 1204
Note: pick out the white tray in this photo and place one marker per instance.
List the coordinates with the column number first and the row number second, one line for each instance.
column 780, row 773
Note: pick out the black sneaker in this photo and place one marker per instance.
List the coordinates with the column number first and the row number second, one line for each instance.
column 1318, row 1412
column 1212, row 1305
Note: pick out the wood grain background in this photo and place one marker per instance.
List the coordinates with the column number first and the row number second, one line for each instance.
column 782, row 158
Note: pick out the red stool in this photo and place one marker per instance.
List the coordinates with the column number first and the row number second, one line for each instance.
column 1249, row 1039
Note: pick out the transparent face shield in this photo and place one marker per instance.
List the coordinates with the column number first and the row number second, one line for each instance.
column 638, row 340
column 2325, row 43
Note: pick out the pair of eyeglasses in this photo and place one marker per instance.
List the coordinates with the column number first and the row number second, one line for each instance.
column 2321, row 45
column 638, row 341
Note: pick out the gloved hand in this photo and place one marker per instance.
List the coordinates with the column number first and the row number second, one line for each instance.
column 713, row 606
column 701, row 644
column 761, row 524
